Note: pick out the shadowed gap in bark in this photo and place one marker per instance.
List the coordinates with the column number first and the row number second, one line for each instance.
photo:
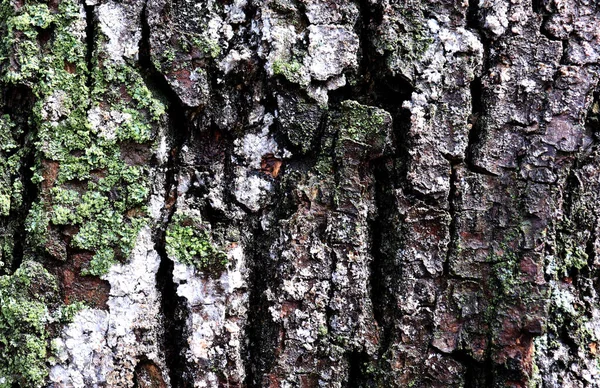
column 90, row 41
column 477, row 373
column 476, row 132
column 359, row 374
column 262, row 333
column 173, row 307
column 19, row 100
column 452, row 229
column 473, row 15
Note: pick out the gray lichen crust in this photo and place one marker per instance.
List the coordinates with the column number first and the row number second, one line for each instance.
column 299, row 193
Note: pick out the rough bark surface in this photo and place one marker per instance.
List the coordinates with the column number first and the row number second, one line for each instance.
column 299, row 193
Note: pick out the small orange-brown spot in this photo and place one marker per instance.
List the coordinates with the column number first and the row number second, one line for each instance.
column 593, row 348
column 270, row 165
column 135, row 212
column 89, row 289
column 49, row 173
column 70, row 67
column 288, row 308
column 148, row 375
column 273, row 381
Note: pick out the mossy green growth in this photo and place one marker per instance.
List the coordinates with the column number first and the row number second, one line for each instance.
column 189, row 242
column 188, row 42
column 366, row 125
column 108, row 204
column 208, row 46
column 291, row 71
column 12, row 154
column 505, row 260
column 506, row 270
column 29, row 305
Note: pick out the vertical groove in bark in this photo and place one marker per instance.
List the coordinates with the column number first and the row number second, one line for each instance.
column 17, row 104
column 261, row 332
column 90, row 41
column 475, row 132
column 452, row 228
column 173, row 307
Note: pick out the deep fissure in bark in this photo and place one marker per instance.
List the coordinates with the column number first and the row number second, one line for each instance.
column 90, row 41
column 261, row 332
column 358, row 375
column 173, row 307
column 473, row 15
column 476, row 374
column 475, row 121
column 19, row 101
column 452, row 212
column 382, row 267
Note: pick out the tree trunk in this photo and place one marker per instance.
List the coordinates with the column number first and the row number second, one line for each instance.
column 299, row 193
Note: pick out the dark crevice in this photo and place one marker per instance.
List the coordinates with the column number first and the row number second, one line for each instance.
column 382, row 267
column 452, row 211
column 175, row 315
column 566, row 338
column 376, row 86
column 19, row 101
column 538, row 6
column 478, row 374
column 30, row 193
column 358, row 375
column 592, row 120
column 90, row 40
column 262, row 333
column 476, row 135
column 473, row 15
column 156, row 82
column 173, row 308
column 565, row 52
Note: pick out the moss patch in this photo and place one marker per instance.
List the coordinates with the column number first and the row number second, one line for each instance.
column 93, row 189
column 188, row 241
column 29, row 306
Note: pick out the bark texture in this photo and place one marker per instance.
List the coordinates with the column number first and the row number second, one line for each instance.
column 299, row 193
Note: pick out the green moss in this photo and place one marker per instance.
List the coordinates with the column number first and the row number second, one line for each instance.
column 36, row 225
column 366, row 126
column 209, row 47
column 188, row 241
column 408, row 40
column 29, row 305
column 110, row 210
column 12, row 155
column 290, row 70
column 188, row 42
column 4, row 204
column 100, row 263
column 323, row 331
column 362, row 123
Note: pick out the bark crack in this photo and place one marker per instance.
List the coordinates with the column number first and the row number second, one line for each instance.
column 173, row 308
column 452, row 212
column 90, row 41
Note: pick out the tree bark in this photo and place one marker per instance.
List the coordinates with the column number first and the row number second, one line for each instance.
column 299, row 193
